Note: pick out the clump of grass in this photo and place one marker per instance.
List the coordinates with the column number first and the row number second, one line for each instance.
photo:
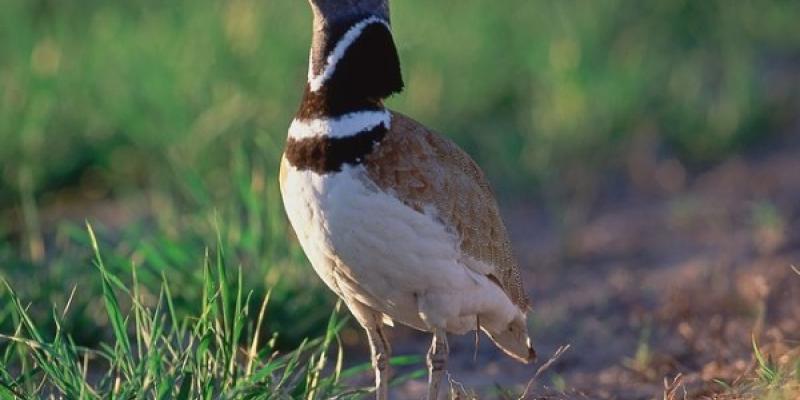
column 771, row 380
column 166, row 234
column 768, row 371
column 775, row 381
column 153, row 353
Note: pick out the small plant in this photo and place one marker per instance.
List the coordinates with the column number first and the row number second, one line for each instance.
column 642, row 360
column 773, row 381
column 797, row 371
column 767, row 370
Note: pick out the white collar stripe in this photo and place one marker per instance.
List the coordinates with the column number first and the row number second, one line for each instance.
column 340, row 127
column 315, row 82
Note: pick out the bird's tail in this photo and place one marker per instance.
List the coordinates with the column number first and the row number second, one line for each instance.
column 514, row 340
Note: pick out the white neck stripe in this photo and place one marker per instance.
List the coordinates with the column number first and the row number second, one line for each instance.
column 340, row 127
column 315, row 82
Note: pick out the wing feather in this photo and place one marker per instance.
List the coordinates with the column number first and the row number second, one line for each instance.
column 431, row 173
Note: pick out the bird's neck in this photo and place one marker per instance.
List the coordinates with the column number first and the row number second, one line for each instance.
column 353, row 67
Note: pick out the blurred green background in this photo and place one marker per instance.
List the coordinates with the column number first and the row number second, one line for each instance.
column 162, row 122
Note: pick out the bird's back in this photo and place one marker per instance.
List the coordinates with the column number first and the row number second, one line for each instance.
column 430, row 173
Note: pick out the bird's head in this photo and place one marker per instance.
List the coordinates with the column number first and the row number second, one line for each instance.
column 328, row 12
column 518, row 328
column 360, row 30
column 514, row 340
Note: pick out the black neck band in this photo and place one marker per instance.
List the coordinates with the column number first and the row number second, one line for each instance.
column 325, row 154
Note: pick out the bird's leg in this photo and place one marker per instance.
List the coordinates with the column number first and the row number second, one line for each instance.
column 437, row 359
column 379, row 347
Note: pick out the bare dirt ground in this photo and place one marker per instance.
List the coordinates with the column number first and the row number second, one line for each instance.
column 670, row 283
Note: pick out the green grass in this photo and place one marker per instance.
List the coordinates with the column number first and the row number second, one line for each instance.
column 222, row 352
column 772, row 380
column 775, row 380
column 168, row 241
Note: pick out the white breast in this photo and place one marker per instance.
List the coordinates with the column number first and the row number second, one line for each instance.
column 370, row 247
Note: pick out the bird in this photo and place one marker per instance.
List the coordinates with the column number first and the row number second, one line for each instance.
column 397, row 220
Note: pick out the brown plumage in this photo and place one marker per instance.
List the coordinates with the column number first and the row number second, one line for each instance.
column 423, row 169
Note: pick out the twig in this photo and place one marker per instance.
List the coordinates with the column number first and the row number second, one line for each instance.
column 559, row 352
column 671, row 388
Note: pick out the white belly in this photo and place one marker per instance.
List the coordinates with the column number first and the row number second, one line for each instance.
column 370, row 247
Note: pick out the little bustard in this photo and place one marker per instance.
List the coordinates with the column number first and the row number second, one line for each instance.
column 398, row 221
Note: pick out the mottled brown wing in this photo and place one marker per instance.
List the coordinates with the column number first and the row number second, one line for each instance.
column 426, row 170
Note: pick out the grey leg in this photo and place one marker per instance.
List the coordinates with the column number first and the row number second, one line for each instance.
column 379, row 347
column 437, row 360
